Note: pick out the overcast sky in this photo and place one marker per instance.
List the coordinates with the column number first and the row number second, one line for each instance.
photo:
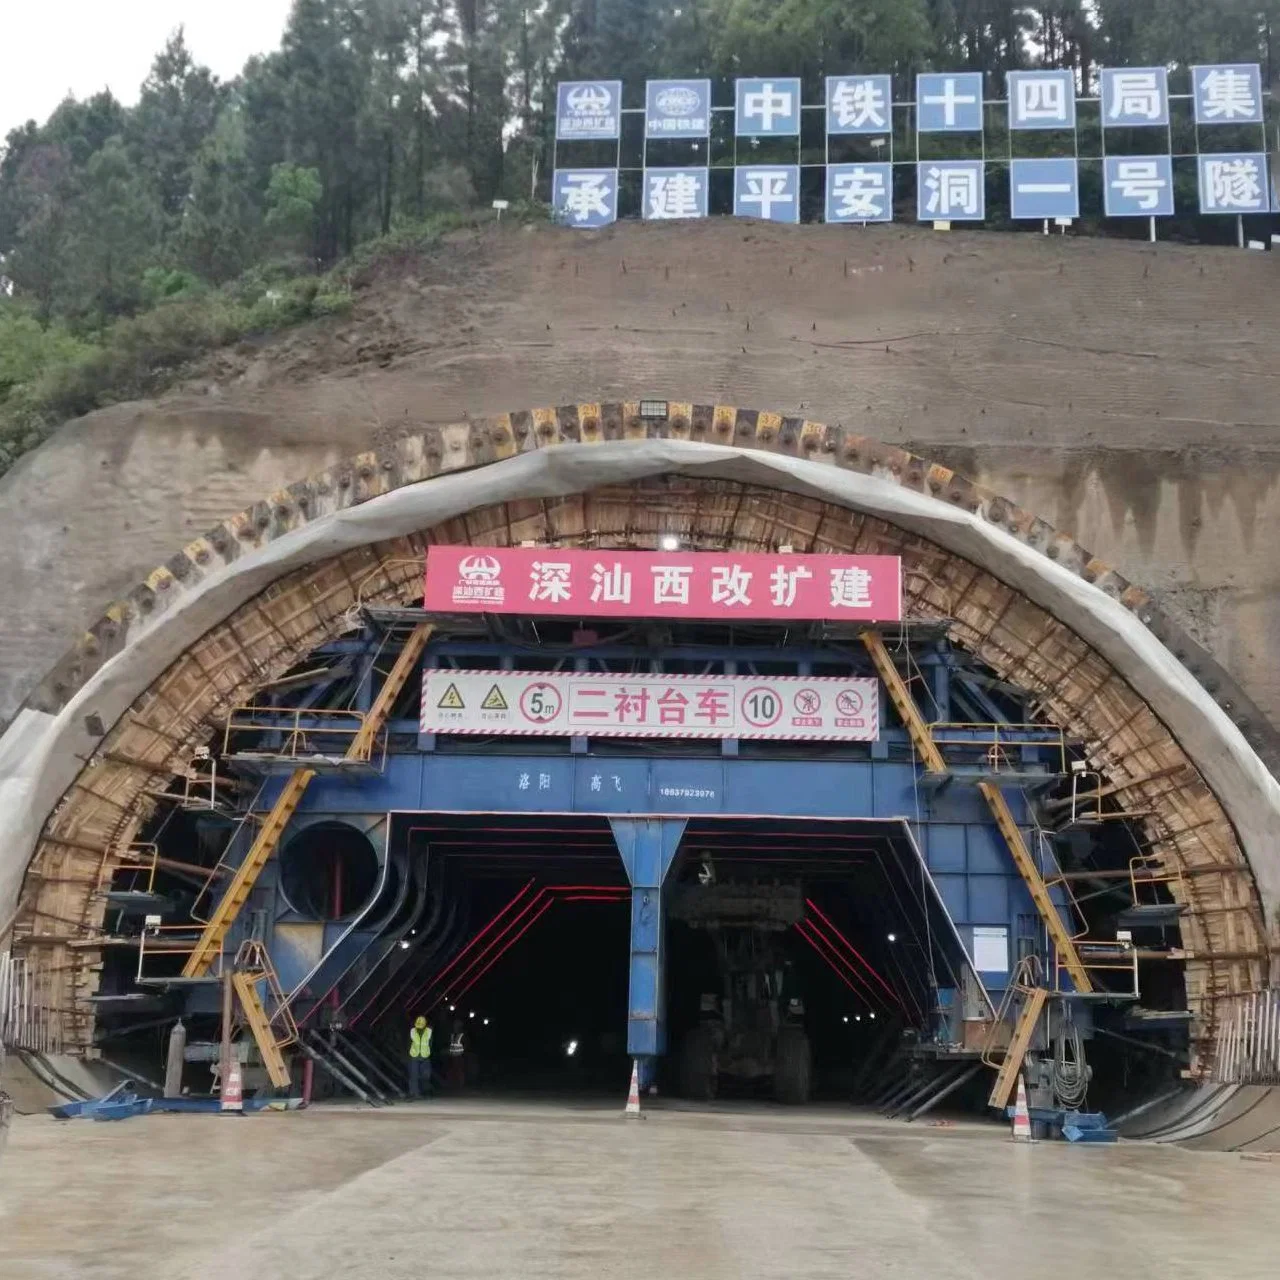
column 53, row 47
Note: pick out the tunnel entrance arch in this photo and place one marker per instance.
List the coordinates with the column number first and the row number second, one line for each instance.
column 147, row 684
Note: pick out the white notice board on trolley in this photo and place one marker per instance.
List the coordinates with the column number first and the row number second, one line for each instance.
column 800, row 708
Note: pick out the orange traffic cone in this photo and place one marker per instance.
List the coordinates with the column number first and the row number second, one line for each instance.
column 1021, row 1116
column 233, row 1086
column 633, row 1098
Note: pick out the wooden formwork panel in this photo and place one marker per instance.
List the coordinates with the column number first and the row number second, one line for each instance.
column 1075, row 686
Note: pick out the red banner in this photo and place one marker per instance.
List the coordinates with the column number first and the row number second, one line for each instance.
column 663, row 584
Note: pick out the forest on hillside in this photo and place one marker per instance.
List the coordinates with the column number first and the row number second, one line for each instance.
column 228, row 203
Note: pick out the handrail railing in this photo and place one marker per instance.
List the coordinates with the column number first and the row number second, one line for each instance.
column 303, row 733
column 1001, row 741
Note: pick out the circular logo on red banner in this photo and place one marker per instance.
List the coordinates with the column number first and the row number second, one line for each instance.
column 540, row 703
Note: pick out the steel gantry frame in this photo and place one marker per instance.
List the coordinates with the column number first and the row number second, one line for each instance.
column 224, row 915
column 934, row 763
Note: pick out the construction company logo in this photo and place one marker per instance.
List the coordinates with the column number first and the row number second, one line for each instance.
column 677, row 101
column 678, row 108
column 588, row 109
column 589, row 100
column 479, row 582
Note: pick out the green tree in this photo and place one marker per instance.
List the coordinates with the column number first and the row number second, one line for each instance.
column 293, row 195
column 177, row 110
column 220, row 232
column 111, row 235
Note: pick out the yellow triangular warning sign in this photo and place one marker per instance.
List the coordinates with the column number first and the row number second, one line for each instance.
column 494, row 701
column 452, row 700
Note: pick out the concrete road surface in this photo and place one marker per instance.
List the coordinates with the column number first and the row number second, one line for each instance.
column 489, row 1189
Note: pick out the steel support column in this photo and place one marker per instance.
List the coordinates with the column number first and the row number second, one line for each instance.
column 647, row 846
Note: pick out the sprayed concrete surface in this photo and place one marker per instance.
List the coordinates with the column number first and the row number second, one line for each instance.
column 505, row 1190
column 1124, row 392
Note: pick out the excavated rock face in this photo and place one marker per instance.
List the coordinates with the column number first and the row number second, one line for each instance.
column 1125, row 393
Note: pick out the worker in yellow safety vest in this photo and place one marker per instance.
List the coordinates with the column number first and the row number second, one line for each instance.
column 420, row 1058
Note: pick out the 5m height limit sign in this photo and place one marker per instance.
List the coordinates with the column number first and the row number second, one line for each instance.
column 829, row 709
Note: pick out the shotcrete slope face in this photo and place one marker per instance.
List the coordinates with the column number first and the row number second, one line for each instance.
column 1124, row 393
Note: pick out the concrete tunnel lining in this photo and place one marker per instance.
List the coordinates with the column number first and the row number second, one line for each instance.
column 41, row 753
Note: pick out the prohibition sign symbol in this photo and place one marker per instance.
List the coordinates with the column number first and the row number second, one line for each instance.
column 540, row 703
column 849, row 702
column 761, row 707
column 807, row 702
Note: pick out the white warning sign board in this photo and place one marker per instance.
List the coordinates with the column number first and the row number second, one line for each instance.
column 827, row 709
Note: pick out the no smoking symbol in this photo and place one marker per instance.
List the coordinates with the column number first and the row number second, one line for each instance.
column 849, row 701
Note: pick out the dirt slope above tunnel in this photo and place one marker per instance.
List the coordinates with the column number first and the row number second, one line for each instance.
column 1127, row 393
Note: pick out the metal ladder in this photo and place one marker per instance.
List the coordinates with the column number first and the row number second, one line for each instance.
column 1025, row 982
column 286, row 805
column 904, row 703
column 1062, row 940
column 271, row 1033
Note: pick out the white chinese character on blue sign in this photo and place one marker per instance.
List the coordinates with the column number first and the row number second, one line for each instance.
column 1044, row 189
column 771, row 192
column 767, row 108
column 587, row 109
column 1042, row 100
column 1135, row 95
column 1228, row 93
column 1138, row 186
column 859, row 192
column 585, row 197
column 675, row 193
column 950, row 189
column 1233, row 183
column 949, row 103
column 677, row 108
column 859, row 104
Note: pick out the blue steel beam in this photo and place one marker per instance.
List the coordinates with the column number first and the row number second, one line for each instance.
column 647, row 846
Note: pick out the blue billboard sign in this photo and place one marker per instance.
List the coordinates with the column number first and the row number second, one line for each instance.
column 1134, row 96
column 677, row 109
column 950, row 190
column 675, row 193
column 585, row 197
column 767, row 108
column 1138, row 186
column 1234, row 182
column 859, row 104
column 1227, row 93
column 1044, row 188
column 588, row 110
column 859, row 193
column 1042, row 100
column 949, row 103
column 771, row 192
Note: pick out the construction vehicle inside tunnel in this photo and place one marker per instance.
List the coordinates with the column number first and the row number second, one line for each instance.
column 909, row 919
